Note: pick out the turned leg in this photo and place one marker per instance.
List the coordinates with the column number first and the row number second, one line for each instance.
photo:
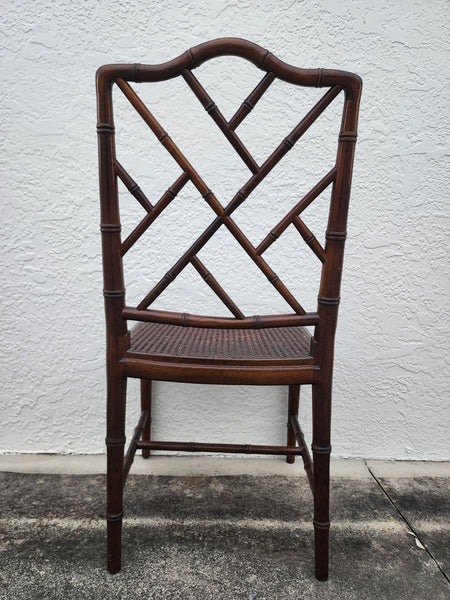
column 146, row 404
column 115, row 441
column 294, row 396
column 321, row 395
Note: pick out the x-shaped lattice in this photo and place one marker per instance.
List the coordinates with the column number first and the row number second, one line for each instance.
column 223, row 215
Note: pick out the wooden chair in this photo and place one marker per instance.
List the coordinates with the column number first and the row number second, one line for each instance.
column 258, row 350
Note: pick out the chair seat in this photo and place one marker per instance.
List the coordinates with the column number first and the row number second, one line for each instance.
column 275, row 345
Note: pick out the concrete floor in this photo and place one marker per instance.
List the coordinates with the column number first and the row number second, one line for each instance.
column 200, row 528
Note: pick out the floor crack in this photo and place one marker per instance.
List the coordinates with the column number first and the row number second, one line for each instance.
column 407, row 521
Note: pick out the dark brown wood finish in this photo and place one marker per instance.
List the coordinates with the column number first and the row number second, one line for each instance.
column 146, row 407
column 266, row 349
column 293, row 403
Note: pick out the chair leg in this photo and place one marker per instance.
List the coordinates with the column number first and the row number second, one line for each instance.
column 294, row 397
column 115, row 441
column 321, row 395
column 146, row 404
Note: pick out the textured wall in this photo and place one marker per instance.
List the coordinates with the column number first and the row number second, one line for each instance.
column 391, row 386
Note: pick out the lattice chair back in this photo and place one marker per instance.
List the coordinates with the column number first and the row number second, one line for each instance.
column 338, row 176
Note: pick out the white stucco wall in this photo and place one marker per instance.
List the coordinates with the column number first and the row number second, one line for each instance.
column 391, row 376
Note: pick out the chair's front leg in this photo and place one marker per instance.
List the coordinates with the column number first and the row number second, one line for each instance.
column 321, row 395
column 115, row 441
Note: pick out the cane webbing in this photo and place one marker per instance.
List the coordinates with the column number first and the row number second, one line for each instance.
column 211, row 344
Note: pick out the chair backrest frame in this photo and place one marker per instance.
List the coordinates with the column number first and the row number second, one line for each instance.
column 325, row 319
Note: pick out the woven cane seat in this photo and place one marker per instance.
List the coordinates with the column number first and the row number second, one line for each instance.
column 175, row 342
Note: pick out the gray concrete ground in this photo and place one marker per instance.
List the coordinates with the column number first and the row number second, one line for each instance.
column 226, row 529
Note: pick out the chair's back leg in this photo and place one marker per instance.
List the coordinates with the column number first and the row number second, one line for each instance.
column 115, row 441
column 294, row 397
column 321, row 396
column 146, row 404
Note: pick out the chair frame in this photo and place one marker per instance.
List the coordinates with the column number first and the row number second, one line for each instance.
column 122, row 362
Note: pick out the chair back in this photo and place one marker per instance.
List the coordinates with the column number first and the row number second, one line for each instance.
column 336, row 176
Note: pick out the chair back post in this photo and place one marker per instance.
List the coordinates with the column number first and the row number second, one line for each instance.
column 114, row 288
column 330, row 282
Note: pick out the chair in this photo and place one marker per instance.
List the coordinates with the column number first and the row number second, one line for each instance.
column 251, row 350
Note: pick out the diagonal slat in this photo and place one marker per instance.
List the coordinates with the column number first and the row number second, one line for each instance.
column 242, row 194
column 283, row 148
column 276, row 156
column 216, row 287
column 153, row 212
column 132, row 186
column 163, row 137
column 264, row 267
column 250, row 101
column 309, row 238
column 176, row 269
column 212, row 109
column 296, row 210
column 214, row 112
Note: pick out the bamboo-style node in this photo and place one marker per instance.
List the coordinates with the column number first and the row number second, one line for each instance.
column 136, row 74
column 114, row 517
column 338, row 236
column 320, row 449
column 110, row 228
column 309, row 238
column 191, row 56
column 114, row 293
column 115, row 441
column 266, row 56
column 251, row 101
column 236, row 202
column 319, row 78
column 132, row 186
column 107, row 128
column 321, row 525
column 328, row 301
column 348, row 136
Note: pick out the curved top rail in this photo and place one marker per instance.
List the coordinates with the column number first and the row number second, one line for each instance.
column 257, row 55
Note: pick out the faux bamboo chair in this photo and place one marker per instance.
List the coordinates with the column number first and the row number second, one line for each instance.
column 258, row 350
